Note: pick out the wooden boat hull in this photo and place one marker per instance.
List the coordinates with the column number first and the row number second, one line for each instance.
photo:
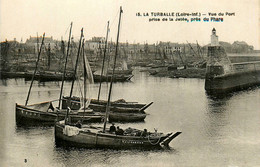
column 121, row 72
column 29, row 117
column 117, row 78
column 116, row 114
column 102, row 108
column 40, row 77
column 126, row 117
column 89, row 139
column 25, row 115
column 25, row 75
column 118, row 104
column 52, row 77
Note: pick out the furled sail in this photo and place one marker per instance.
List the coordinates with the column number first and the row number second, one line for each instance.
column 124, row 65
column 84, row 80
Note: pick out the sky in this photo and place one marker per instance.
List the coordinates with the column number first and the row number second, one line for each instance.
column 21, row 19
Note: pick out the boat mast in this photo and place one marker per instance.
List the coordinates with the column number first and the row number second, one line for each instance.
column 192, row 49
column 179, row 53
column 172, row 57
column 199, row 50
column 76, row 64
column 49, row 56
column 108, row 61
column 74, row 74
column 37, row 44
column 65, row 66
column 37, row 62
column 85, row 79
column 103, row 63
column 112, row 77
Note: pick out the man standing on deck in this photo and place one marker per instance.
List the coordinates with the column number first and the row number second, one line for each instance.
column 112, row 128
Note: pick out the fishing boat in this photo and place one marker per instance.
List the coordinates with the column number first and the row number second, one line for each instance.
column 121, row 74
column 94, row 137
column 44, row 112
column 99, row 104
column 123, row 70
column 118, row 112
column 41, row 76
column 98, row 137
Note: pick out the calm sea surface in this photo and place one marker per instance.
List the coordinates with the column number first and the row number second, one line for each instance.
column 216, row 132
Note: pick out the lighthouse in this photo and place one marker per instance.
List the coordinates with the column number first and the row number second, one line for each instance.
column 214, row 38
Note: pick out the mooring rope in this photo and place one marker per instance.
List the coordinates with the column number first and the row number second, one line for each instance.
column 156, row 142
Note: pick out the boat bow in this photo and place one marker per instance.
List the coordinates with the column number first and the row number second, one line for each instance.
column 166, row 141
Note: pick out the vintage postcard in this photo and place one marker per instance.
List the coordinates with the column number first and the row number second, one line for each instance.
column 130, row 83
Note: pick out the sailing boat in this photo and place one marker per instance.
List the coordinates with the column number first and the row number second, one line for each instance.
column 45, row 113
column 123, row 70
column 121, row 74
column 98, row 137
column 120, row 110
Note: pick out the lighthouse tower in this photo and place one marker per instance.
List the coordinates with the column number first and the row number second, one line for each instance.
column 214, row 38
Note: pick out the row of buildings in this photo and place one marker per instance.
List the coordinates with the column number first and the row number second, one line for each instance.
column 54, row 50
column 97, row 43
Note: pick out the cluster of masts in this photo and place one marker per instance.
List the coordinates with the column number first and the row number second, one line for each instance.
column 101, row 136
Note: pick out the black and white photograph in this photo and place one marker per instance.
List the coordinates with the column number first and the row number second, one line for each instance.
column 124, row 83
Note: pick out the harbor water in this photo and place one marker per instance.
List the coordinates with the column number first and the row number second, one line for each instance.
column 215, row 131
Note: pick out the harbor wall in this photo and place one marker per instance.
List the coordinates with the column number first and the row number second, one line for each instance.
column 223, row 76
column 239, row 58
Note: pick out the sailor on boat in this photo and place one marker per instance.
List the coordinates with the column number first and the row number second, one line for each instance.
column 112, row 128
column 119, row 131
column 144, row 133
